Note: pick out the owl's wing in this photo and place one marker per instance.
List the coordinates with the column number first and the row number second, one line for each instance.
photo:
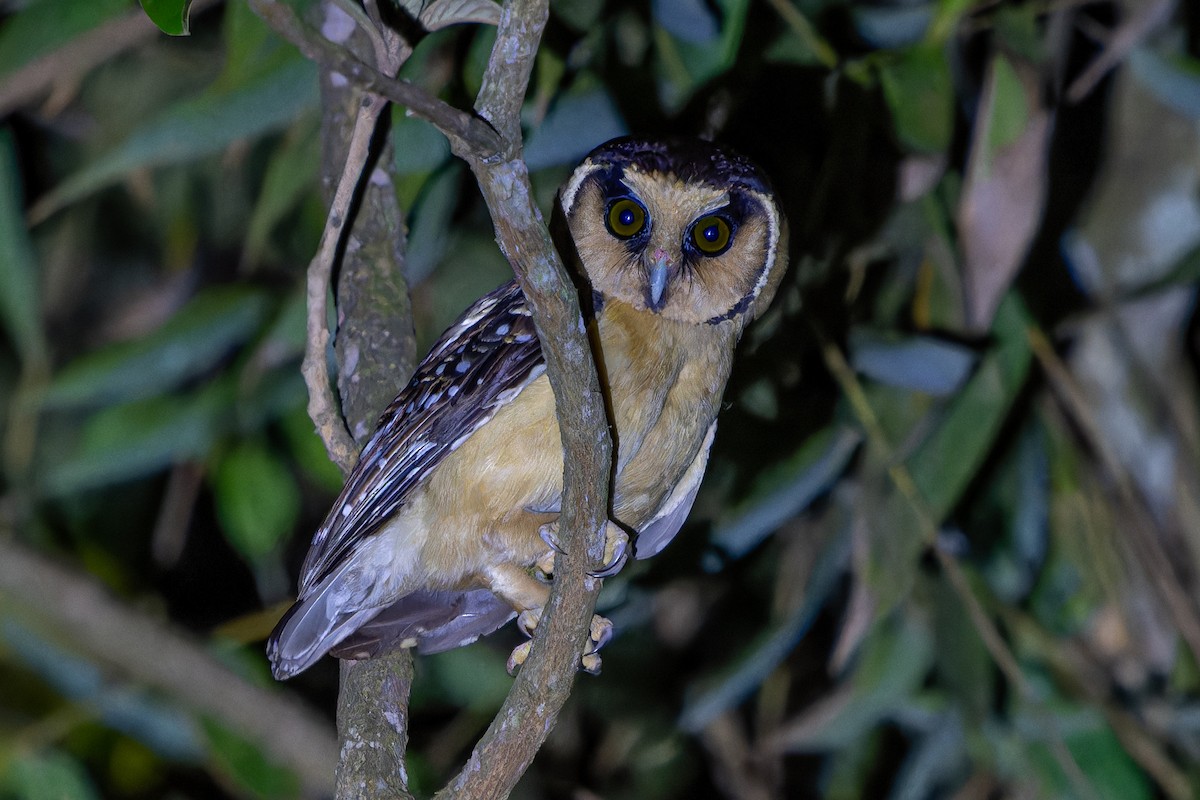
column 481, row 363
column 436, row 620
column 666, row 522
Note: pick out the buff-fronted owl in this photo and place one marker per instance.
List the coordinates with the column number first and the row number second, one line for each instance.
column 446, row 528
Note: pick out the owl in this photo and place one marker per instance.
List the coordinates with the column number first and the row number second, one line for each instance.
column 447, row 527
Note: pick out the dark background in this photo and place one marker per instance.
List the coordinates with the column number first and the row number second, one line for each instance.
column 948, row 542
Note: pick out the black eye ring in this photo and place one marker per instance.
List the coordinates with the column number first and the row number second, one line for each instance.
column 625, row 218
column 712, row 235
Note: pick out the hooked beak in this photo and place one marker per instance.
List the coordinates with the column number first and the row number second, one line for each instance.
column 658, row 279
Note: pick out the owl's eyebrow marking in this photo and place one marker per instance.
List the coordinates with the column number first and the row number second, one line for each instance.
column 714, row 204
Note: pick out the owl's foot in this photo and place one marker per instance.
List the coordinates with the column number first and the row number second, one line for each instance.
column 518, row 656
column 599, row 634
column 616, row 550
column 549, row 535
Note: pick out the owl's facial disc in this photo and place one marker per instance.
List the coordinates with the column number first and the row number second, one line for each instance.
column 682, row 229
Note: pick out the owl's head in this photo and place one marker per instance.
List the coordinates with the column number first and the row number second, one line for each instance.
column 682, row 228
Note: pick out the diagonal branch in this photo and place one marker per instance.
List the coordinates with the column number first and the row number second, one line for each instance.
column 544, row 683
column 460, row 126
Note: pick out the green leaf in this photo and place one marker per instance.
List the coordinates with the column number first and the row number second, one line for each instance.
column 477, row 58
column 244, row 762
column 1175, row 82
column 1009, row 113
column 189, row 345
column 683, row 66
column 20, row 302
column 920, row 363
column 108, row 699
column 194, row 128
column 51, row 775
column 140, row 438
column 580, row 15
column 938, row 758
column 252, row 49
column 42, row 27
column 687, row 20
column 1108, row 768
column 291, row 174
column 892, row 667
column 948, row 460
column 309, row 451
column 784, row 490
column 892, row 26
column 171, row 16
column 257, row 499
column 575, row 124
column 947, row 17
column 444, row 13
column 418, row 146
column 469, row 678
column 963, row 664
column 429, row 223
column 920, row 92
column 714, row 695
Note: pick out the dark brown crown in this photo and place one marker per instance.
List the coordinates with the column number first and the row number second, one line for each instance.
column 690, row 160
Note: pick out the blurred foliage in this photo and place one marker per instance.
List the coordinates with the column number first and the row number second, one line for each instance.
column 949, row 543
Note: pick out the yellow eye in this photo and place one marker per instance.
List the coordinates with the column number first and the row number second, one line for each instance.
column 711, row 235
column 626, row 218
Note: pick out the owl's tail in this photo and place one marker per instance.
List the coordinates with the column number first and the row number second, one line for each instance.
column 431, row 620
column 316, row 623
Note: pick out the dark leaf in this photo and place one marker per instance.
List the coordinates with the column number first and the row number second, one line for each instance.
column 193, row 342
column 1005, row 189
column 171, row 16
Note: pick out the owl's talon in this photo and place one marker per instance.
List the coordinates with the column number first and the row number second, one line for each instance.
column 528, row 621
column 545, row 564
column 616, row 551
column 549, row 534
column 599, row 633
column 517, row 658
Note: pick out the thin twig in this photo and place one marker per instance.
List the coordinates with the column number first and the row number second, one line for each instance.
column 473, row 132
column 1146, row 18
column 1145, row 541
column 1075, row 664
column 800, row 25
column 323, row 406
column 984, row 627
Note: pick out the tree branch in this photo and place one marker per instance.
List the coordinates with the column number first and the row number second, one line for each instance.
column 373, row 727
column 544, row 683
column 376, row 351
column 455, row 123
